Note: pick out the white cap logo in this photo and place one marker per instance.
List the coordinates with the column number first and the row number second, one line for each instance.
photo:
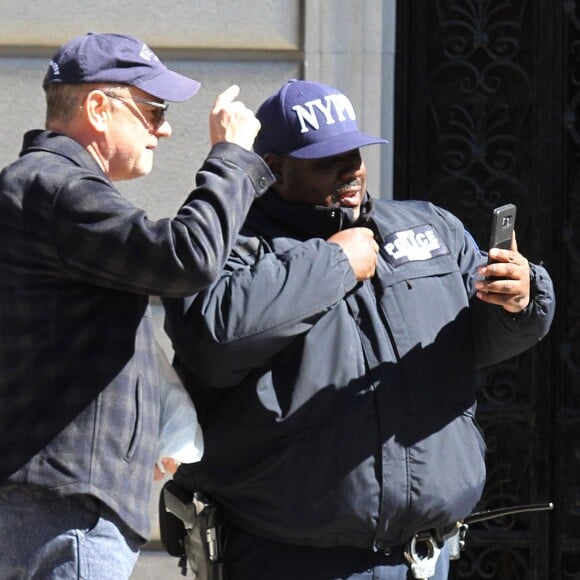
column 147, row 54
column 55, row 68
column 335, row 108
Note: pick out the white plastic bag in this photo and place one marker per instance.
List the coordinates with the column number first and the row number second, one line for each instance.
column 180, row 435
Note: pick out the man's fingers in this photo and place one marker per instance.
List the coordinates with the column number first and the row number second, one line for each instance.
column 158, row 475
column 370, row 234
column 228, row 96
column 514, row 246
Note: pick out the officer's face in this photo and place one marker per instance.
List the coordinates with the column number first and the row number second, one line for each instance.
column 338, row 181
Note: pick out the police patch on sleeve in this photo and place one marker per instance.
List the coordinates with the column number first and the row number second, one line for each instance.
column 413, row 245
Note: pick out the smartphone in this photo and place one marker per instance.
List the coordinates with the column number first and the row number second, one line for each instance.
column 503, row 221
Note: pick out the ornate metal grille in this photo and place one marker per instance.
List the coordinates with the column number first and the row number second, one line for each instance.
column 487, row 112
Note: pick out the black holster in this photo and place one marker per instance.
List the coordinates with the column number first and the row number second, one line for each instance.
column 192, row 529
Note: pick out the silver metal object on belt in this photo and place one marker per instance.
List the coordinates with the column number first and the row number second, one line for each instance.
column 424, row 561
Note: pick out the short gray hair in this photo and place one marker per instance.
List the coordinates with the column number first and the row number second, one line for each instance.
column 63, row 101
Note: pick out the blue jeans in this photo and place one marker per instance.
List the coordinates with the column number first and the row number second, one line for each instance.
column 47, row 537
column 251, row 558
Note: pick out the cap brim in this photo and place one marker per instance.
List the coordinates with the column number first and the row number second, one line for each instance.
column 170, row 86
column 336, row 145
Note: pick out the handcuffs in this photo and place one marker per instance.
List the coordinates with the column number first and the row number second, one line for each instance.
column 423, row 549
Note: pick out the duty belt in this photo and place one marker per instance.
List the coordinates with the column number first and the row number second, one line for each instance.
column 423, row 549
column 200, row 524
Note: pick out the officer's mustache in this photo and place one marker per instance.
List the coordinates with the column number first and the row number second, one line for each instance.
column 344, row 188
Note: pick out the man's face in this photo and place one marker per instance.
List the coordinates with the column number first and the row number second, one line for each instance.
column 337, row 181
column 134, row 134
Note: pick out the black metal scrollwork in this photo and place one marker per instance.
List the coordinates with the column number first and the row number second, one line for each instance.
column 492, row 97
column 479, row 100
column 570, row 346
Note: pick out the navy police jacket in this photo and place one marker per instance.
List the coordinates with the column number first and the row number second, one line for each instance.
column 339, row 413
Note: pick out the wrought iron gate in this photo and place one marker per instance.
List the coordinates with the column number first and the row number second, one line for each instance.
column 487, row 112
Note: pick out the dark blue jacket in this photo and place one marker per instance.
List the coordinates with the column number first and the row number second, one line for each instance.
column 338, row 413
column 78, row 374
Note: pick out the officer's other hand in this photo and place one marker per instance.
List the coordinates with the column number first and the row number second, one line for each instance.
column 168, row 467
column 506, row 282
column 361, row 249
column 232, row 121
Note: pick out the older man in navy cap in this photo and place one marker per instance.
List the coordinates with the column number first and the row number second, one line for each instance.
column 79, row 412
column 333, row 364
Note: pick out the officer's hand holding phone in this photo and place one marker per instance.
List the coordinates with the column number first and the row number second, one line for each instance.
column 506, row 277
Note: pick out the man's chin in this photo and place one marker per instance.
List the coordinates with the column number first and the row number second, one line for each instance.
column 351, row 202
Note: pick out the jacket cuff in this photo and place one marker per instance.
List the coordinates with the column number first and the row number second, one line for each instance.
column 249, row 162
column 542, row 299
column 340, row 260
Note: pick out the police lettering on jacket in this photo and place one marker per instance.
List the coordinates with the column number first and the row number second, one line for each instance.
column 415, row 244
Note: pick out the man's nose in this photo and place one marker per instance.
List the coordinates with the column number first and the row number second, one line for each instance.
column 350, row 167
column 164, row 130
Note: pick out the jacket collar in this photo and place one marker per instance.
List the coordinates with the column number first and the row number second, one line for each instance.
column 59, row 144
column 303, row 221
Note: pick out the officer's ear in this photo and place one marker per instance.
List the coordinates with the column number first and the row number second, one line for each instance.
column 274, row 162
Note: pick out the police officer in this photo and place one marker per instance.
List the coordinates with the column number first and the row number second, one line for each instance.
column 333, row 363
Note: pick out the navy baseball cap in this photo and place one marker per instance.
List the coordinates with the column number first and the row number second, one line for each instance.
column 309, row 120
column 117, row 58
